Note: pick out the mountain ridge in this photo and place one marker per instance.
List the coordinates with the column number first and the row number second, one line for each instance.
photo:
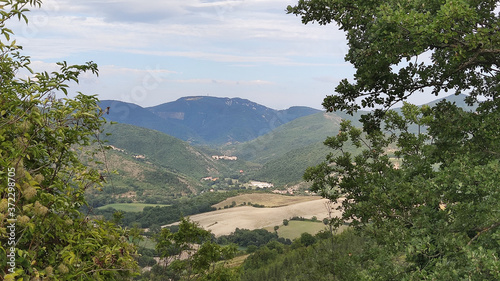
column 279, row 156
column 206, row 120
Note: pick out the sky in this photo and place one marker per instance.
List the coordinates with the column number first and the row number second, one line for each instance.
column 150, row 52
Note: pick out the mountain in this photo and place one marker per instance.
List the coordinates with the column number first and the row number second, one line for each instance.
column 459, row 100
column 206, row 120
column 290, row 167
column 287, row 151
column 144, row 165
column 128, row 178
column 281, row 155
column 162, row 149
column 296, row 134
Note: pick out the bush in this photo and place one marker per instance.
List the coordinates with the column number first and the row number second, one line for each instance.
column 307, row 239
column 251, row 249
column 144, row 261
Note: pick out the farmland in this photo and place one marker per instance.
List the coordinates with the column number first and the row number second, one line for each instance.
column 295, row 228
column 225, row 221
column 130, row 207
column 265, row 199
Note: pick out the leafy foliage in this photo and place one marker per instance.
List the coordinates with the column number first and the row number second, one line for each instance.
column 439, row 208
column 39, row 136
column 436, row 215
column 389, row 42
column 335, row 258
column 190, row 254
column 246, row 238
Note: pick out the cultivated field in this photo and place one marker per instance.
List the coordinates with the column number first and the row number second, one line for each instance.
column 295, row 228
column 225, row 221
column 130, row 207
column 265, row 199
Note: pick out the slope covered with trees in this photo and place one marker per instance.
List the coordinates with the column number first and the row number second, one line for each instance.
column 205, row 120
column 162, row 149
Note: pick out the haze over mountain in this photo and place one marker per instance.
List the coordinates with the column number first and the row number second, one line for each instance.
column 206, row 120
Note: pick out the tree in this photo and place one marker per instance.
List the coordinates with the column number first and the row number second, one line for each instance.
column 460, row 37
column 154, row 229
column 190, row 253
column 438, row 208
column 42, row 179
column 429, row 197
column 260, row 257
column 307, row 239
column 285, row 222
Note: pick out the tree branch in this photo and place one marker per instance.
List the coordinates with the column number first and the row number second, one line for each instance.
column 495, row 225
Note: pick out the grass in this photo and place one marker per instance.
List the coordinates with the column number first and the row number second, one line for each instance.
column 130, row 207
column 236, row 261
column 295, row 228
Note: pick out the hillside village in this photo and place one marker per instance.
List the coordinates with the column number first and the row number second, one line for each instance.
column 225, row 157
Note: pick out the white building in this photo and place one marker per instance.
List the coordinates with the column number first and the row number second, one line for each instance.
column 261, row 184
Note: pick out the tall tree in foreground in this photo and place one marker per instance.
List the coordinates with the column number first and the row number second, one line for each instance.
column 191, row 254
column 434, row 205
column 42, row 181
column 400, row 48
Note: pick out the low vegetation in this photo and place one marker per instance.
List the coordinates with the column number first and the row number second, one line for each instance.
column 224, row 221
column 166, row 214
column 320, row 257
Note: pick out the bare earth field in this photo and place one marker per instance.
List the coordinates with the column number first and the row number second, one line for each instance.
column 225, row 221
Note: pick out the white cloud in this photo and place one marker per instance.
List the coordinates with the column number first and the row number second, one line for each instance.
column 223, row 82
column 68, row 28
column 249, row 48
column 116, row 70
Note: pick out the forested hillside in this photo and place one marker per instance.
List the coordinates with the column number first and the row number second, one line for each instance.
column 163, row 149
column 128, row 179
column 293, row 135
column 205, row 120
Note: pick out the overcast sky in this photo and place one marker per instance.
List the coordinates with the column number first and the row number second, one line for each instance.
column 151, row 51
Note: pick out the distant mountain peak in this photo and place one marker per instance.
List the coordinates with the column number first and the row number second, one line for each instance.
column 207, row 119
